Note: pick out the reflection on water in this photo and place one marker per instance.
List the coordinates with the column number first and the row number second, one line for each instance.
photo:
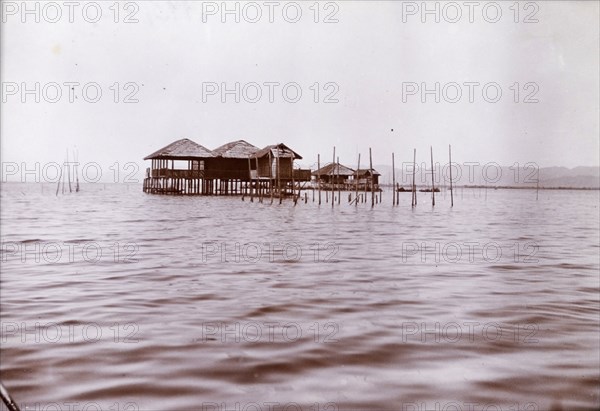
column 150, row 302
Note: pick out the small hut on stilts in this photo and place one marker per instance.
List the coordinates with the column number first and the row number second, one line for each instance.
column 275, row 170
column 180, row 168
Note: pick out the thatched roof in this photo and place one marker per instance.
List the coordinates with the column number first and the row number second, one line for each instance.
column 362, row 172
column 332, row 169
column 235, row 149
column 181, row 149
column 281, row 149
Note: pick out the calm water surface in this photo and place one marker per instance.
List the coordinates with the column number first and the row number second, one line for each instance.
column 166, row 303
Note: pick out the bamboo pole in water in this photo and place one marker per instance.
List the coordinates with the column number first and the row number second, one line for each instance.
column 319, row 175
column 393, row 181
column 397, row 192
column 271, row 176
column 372, row 185
column 356, row 199
column 414, row 170
column 63, row 180
column 59, row 178
column 11, row 404
column 294, row 183
column 432, row 179
column 76, row 158
column 364, row 196
column 260, row 191
column 332, row 176
column 250, row 180
column 451, row 188
column 279, row 175
column 338, row 182
column 69, row 172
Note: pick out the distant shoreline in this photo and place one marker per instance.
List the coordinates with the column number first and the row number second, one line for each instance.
column 447, row 188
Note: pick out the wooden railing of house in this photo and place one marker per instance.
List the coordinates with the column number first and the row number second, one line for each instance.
column 206, row 174
column 302, row 175
column 227, row 174
column 348, row 186
column 171, row 173
column 299, row 174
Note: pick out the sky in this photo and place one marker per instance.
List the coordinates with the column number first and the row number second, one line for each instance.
column 514, row 83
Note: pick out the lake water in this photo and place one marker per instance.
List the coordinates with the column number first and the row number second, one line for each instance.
column 117, row 300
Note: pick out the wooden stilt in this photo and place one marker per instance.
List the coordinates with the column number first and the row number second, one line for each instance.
column 250, row 180
column 333, row 176
column 319, row 176
column 397, row 187
column 357, row 180
column 59, row 178
column 414, row 193
column 69, row 172
column 271, row 176
column 451, row 188
column 393, row 181
column 364, row 197
column 294, row 184
column 298, row 196
column 279, row 176
column 338, row 182
column 372, row 185
column 63, row 181
column 76, row 158
column 260, row 193
column 432, row 178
